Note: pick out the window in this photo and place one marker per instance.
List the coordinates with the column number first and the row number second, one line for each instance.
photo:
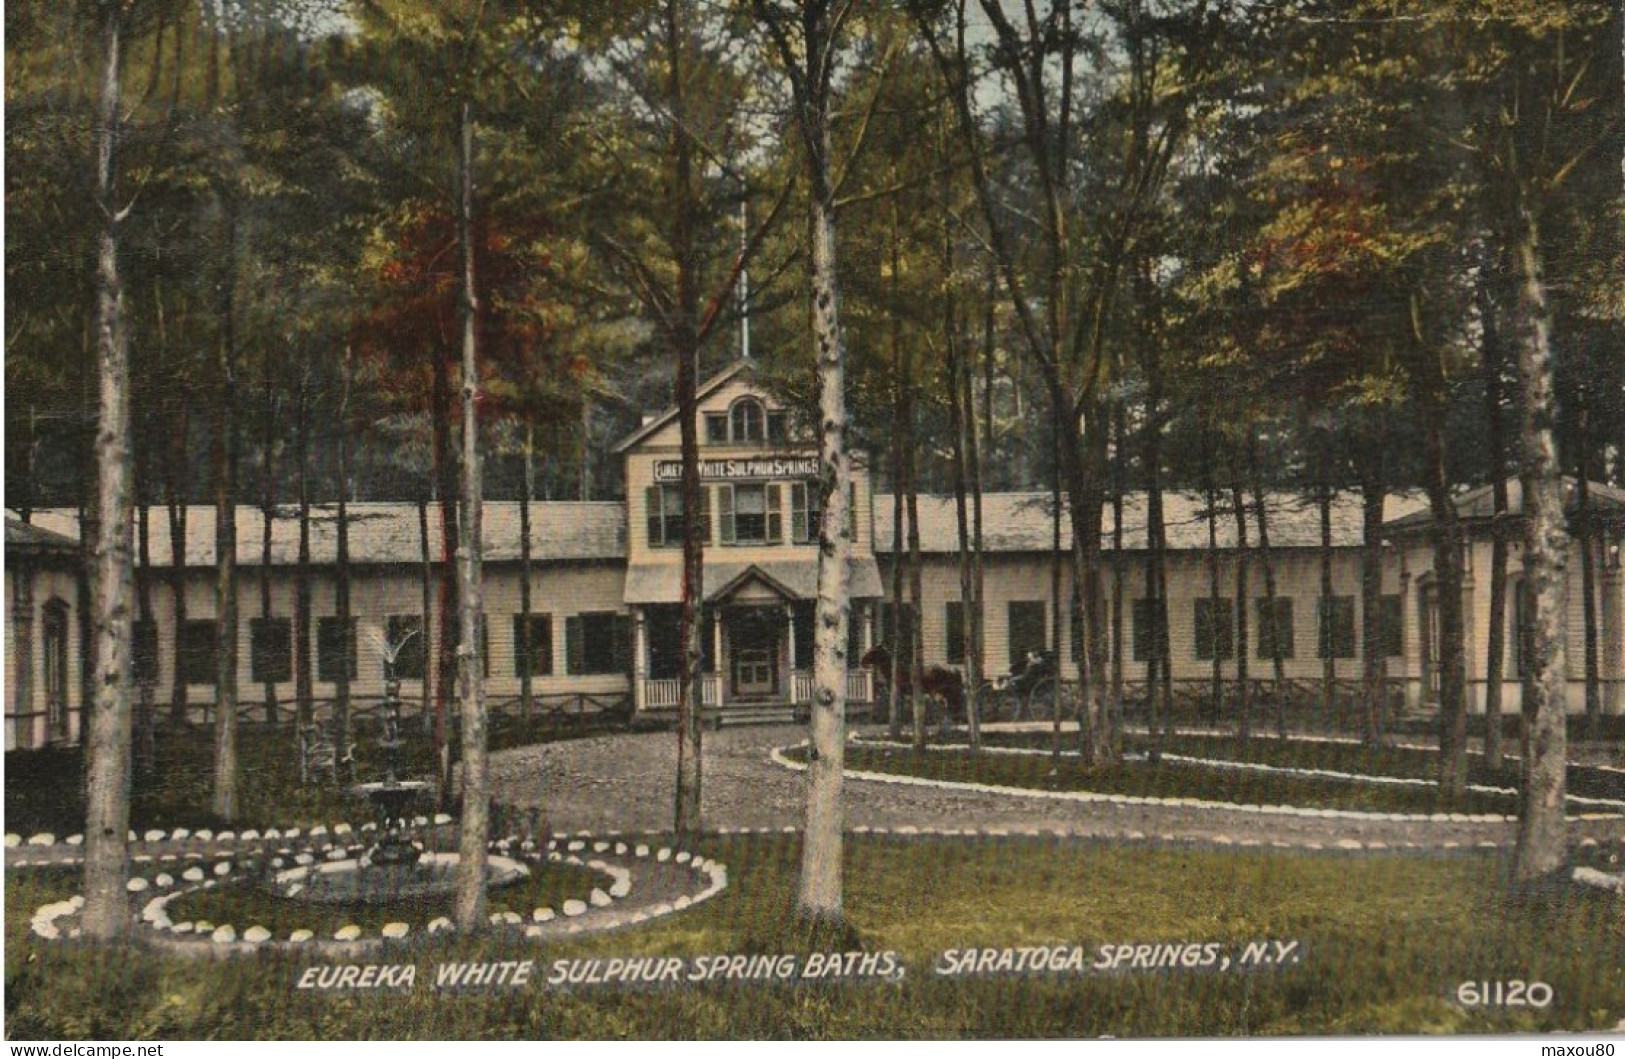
column 1027, row 630
column 1392, row 620
column 270, row 648
column 335, row 649
column 1215, row 629
column 777, row 428
column 806, row 512
column 751, row 514
column 533, row 645
column 1276, row 632
column 1150, row 628
column 197, row 644
column 144, row 651
column 666, row 515
column 1336, row 627
column 404, row 633
column 716, row 428
column 745, row 421
column 954, row 634
column 598, row 643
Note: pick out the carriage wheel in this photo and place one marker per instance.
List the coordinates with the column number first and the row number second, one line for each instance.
column 987, row 703
column 1040, row 701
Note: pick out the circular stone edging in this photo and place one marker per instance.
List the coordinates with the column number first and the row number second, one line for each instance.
column 776, row 755
column 1284, row 770
column 205, row 939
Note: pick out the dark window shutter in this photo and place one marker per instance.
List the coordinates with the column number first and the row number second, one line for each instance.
column 621, row 657
column 954, row 620
column 574, row 646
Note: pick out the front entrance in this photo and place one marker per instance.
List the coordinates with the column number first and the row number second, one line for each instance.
column 753, row 642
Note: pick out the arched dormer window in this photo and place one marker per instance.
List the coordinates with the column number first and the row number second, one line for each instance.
column 746, row 420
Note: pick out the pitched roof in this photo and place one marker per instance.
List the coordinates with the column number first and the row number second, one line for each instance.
column 1478, row 506
column 389, row 532
column 26, row 539
column 704, row 390
column 1020, row 522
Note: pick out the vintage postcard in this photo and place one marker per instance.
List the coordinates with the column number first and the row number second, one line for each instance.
column 807, row 519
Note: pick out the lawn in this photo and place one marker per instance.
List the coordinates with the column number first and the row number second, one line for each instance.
column 1167, row 779
column 1386, row 940
column 1335, row 756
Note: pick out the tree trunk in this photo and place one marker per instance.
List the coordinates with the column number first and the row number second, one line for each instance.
column 178, row 705
column 683, row 339
column 1210, row 490
column 962, row 424
column 444, row 659
column 819, row 891
column 1325, row 623
column 267, row 526
column 895, row 661
column 303, row 692
column 1495, row 648
column 107, row 811
column 1447, row 571
column 1244, row 685
column 1588, row 569
column 1541, row 828
column 225, row 539
column 1374, row 675
column 475, row 825
column 1277, row 659
column 341, row 563
column 527, row 694
column 433, row 720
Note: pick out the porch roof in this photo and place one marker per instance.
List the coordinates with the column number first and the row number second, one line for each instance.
column 663, row 582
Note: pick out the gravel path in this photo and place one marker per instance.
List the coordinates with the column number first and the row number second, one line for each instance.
column 626, row 783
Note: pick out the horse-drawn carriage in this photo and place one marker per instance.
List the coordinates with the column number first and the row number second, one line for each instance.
column 1026, row 694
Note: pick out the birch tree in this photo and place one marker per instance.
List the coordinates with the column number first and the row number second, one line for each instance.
column 806, row 38
column 106, row 913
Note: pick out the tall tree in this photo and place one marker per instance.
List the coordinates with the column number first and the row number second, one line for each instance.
column 807, row 39
column 106, row 914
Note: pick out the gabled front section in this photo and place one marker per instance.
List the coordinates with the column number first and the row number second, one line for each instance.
column 760, row 509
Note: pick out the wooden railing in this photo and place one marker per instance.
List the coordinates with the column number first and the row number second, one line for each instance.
column 860, row 686
column 663, row 693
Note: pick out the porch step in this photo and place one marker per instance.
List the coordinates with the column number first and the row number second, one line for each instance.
column 768, row 713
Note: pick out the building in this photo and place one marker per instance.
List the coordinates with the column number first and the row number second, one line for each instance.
column 606, row 578
column 43, row 636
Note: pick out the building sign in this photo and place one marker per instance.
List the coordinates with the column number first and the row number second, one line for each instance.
column 765, row 468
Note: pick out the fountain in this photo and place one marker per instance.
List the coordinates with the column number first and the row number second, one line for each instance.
column 396, row 865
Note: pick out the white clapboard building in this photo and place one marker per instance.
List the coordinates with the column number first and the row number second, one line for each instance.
column 606, row 577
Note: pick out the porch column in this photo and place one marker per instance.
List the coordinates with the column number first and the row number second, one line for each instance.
column 868, row 627
column 1613, row 632
column 1410, row 637
column 790, row 616
column 640, row 659
column 716, row 652
column 22, row 644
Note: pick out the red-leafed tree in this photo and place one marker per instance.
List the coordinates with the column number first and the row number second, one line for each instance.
column 413, row 330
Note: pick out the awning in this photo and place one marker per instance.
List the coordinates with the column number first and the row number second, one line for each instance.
column 663, row 582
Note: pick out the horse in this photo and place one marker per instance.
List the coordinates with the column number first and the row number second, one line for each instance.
column 936, row 681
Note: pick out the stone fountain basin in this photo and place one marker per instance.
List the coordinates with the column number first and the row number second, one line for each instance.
column 352, row 881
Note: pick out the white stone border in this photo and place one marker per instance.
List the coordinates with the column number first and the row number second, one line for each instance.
column 47, row 921
column 776, row 755
column 1258, row 766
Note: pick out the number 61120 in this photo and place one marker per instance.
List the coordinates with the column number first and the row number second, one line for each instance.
column 1511, row 993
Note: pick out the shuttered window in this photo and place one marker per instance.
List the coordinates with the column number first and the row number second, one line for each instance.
column 598, row 643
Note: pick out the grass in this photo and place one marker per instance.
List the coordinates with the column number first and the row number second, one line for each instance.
column 1386, row 940
column 245, row 904
column 1168, row 779
column 1339, row 756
